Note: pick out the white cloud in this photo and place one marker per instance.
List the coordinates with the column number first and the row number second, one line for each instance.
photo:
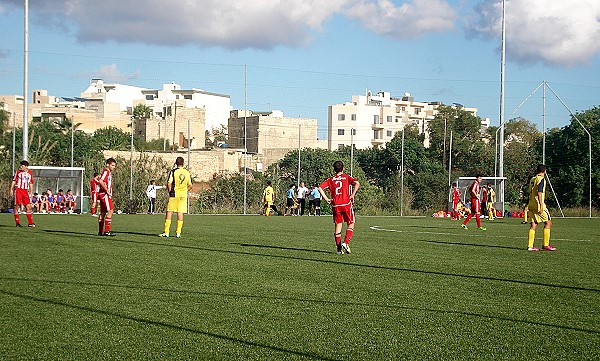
column 109, row 73
column 407, row 21
column 554, row 32
column 262, row 24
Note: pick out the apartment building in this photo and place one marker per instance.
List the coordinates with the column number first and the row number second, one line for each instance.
column 371, row 120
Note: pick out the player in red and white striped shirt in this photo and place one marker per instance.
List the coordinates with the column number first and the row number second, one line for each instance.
column 475, row 192
column 105, row 198
column 94, row 189
column 20, row 187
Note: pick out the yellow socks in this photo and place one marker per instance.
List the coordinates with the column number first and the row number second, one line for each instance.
column 531, row 237
column 546, row 236
column 167, row 225
column 179, row 226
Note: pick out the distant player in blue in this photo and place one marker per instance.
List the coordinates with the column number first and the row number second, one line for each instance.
column 291, row 200
column 316, row 200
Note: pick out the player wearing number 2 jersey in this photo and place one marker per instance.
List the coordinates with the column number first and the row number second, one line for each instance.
column 341, row 204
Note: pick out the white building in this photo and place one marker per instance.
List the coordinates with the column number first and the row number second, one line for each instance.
column 216, row 106
column 373, row 120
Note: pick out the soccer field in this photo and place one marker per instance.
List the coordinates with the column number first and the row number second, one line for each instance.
column 257, row 288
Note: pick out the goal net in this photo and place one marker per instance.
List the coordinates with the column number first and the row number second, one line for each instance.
column 497, row 183
column 55, row 178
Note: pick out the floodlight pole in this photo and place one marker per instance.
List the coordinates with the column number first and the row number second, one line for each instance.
column 245, row 139
column 450, row 160
column 589, row 147
column 544, row 124
column 502, row 78
column 26, row 82
column 351, row 151
column 14, row 141
column 298, row 156
column 131, row 162
column 402, row 178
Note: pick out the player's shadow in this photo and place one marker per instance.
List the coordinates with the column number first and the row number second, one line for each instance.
column 69, row 232
column 350, row 263
column 279, row 247
column 470, row 244
column 350, row 304
column 138, row 233
column 177, row 328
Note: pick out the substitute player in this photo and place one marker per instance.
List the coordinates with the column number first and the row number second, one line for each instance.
column 94, row 189
column 20, row 187
column 456, row 193
column 341, row 204
column 179, row 183
column 475, row 193
column 105, row 199
column 538, row 210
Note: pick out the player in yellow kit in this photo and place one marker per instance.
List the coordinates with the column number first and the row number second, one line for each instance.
column 179, row 183
column 490, row 202
column 538, row 210
column 268, row 199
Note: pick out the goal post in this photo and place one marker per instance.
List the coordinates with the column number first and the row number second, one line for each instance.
column 465, row 182
column 55, row 178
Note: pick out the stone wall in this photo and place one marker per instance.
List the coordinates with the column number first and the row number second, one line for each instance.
column 204, row 165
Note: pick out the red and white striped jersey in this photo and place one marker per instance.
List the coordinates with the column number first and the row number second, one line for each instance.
column 95, row 186
column 106, row 177
column 23, row 179
column 474, row 190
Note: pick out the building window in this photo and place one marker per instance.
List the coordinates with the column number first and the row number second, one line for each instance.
column 417, row 111
column 341, row 146
column 340, row 131
column 389, row 133
column 375, row 119
column 341, row 116
column 389, row 118
column 353, row 117
column 187, row 96
column 149, row 97
column 403, row 109
column 353, row 131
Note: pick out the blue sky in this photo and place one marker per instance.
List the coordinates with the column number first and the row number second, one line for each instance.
column 303, row 55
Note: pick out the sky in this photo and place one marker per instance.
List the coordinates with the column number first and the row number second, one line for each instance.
column 300, row 56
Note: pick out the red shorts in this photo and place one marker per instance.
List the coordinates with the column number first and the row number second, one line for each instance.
column 475, row 206
column 22, row 197
column 455, row 205
column 106, row 203
column 94, row 197
column 343, row 214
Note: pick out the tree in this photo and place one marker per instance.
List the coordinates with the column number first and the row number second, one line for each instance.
column 471, row 152
column 4, row 119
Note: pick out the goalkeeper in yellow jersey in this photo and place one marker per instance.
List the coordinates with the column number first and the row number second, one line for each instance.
column 538, row 210
column 178, row 184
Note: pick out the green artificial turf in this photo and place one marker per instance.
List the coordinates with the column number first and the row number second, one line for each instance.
column 257, row 288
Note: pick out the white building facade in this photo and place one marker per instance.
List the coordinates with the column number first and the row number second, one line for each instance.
column 371, row 120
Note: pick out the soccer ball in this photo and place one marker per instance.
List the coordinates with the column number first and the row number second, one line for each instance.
column 119, row 211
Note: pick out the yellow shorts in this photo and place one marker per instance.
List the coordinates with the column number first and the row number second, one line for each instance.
column 539, row 217
column 177, row 204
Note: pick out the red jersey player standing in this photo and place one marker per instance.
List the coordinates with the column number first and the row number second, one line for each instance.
column 455, row 200
column 341, row 204
column 20, row 187
column 105, row 198
column 475, row 193
column 94, row 189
